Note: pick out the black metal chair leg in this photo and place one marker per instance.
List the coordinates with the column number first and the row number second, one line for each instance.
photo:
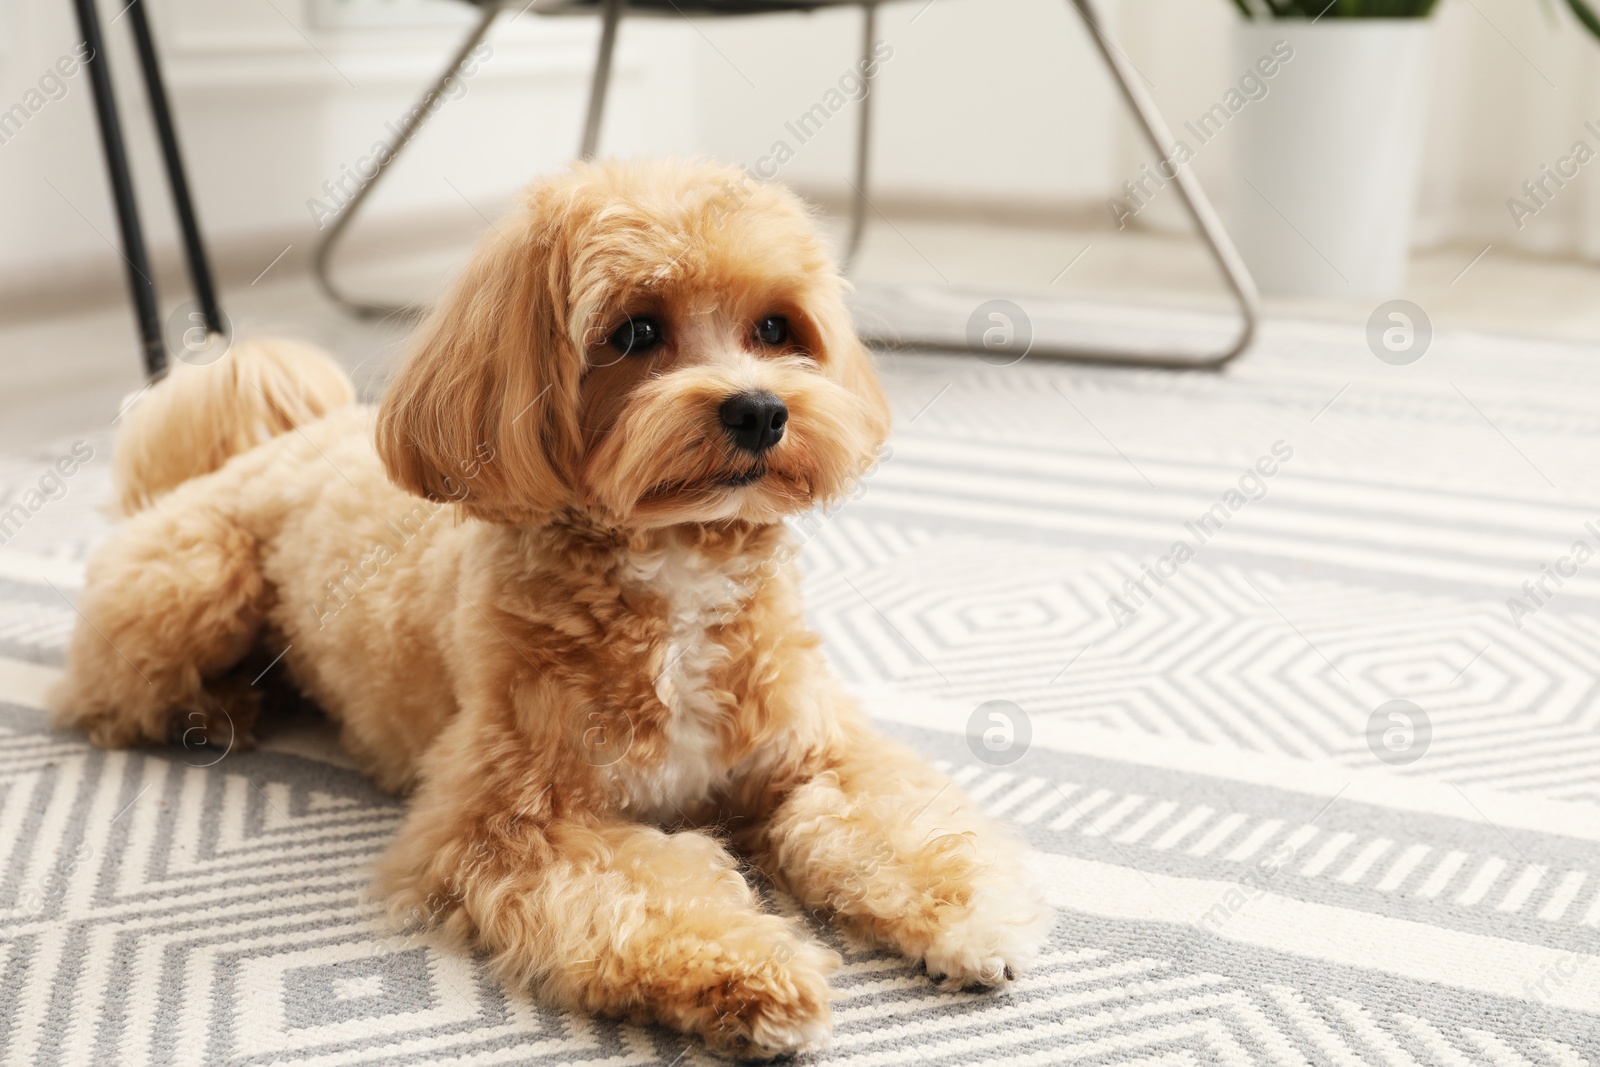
column 858, row 206
column 602, row 79
column 194, row 248
column 141, row 285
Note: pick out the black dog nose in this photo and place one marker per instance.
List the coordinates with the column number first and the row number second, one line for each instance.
column 754, row 420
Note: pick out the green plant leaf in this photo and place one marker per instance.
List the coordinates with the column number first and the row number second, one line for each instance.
column 1585, row 15
column 1393, row 9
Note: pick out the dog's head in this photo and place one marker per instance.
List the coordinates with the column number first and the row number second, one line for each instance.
column 646, row 343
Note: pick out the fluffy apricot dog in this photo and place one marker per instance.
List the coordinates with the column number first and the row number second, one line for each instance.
column 546, row 589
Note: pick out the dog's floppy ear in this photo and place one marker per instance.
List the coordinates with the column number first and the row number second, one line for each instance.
column 482, row 414
column 847, row 361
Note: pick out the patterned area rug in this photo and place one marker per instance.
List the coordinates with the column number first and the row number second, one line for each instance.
column 1288, row 674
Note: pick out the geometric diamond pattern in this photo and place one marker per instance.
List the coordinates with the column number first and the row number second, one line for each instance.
column 324, row 994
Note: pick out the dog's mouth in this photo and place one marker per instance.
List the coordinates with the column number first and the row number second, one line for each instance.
column 742, row 479
column 724, row 480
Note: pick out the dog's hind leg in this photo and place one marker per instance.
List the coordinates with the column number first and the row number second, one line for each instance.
column 173, row 600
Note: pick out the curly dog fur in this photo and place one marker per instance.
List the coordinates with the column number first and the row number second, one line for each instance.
column 547, row 591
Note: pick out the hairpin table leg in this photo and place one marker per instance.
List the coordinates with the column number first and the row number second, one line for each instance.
column 858, row 203
column 408, row 128
column 1212, row 233
column 610, row 18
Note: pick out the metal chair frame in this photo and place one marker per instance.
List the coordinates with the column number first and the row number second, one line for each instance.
column 142, row 287
column 1212, row 233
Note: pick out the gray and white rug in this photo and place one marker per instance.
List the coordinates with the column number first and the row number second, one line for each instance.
column 1080, row 591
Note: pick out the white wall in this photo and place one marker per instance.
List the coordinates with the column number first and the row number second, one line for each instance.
column 271, row 100
column 267, row 114
column 997, row 102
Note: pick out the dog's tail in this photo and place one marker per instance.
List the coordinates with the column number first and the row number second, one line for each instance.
column 194, row 419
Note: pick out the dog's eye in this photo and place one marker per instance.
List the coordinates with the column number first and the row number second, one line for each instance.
column 772, row 330
column 636, row 336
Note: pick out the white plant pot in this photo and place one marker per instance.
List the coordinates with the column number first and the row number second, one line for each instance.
column 1326, row 165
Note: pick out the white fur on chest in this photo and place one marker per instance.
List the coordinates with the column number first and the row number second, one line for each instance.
column 700, row 594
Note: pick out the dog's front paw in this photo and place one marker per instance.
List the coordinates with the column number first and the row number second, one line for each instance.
column 988, row 943
column 778, row 1007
